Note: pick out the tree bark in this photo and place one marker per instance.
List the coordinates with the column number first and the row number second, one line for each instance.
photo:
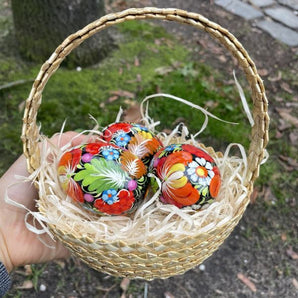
column 41, row 25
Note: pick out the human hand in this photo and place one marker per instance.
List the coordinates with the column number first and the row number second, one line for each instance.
column 18, row 245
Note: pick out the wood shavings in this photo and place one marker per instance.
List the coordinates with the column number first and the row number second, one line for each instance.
column 153, row 220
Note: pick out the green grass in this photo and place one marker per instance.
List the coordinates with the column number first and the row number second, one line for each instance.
column 146, row 60
column 224, row 104
column 74, row 95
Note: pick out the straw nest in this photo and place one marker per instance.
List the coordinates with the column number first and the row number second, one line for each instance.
column 155, row 234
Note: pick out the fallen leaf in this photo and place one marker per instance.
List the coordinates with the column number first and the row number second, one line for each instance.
column 263, row 72
column 203, row 43
column 176, row 64
column 125, row 284
column 278, row 134
column 286, row 166
column 137, row 62
column 60, row 263
column 100, row 288
column 285, row 114
column 28, row 270
column 294, row 137
column 129, row 102
column 119, row 4
column 168, row 295
column 229, row 82
column 164, row 70
column 167, row 131
column 268, row 195
column 290, row 161
column 283, row 125
column 285, row 86
column 157, row 42
column 214, row 48
column 178, row 120
column 295, row 283
column 277, row 78
column 169, row 43
column 279, row 99
column 211, row 104
column 222, row 58
column 139, row 78
column 27, row 284
column 158, row 89
column 278, row 270
column 292, row 104
column 291, row 253
column 122, row 93
column 247, row 282
column 221, row 13
column 154, row 49
column 292, row 202
column 283, row 237
column 113, row 98
column 132, row 114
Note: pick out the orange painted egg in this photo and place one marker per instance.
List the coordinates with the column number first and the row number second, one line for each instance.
column 136, row 138
column 103, row 178
column 189, row 175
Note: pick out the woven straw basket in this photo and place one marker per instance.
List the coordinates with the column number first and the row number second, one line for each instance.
column 158, row 259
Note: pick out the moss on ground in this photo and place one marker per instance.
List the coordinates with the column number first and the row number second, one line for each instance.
column 146, row 60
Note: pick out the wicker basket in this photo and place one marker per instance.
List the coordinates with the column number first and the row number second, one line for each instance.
column 158, row 259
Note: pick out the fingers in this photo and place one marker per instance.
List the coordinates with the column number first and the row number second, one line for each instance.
column 68, row 137
column 74, row 138
column 59, row 252
column 23, row 193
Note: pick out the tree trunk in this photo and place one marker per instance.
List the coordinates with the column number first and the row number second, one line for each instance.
column 41, row 25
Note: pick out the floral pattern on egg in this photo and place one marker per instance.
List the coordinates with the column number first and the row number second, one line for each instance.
column 136, row 138
column 189, row 175
column 103, row 178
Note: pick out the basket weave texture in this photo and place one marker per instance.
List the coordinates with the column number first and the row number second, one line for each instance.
column 158, row 259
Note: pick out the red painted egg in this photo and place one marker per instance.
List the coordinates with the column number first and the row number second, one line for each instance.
column 103, row 178
column 189, row 175
column 136, row 138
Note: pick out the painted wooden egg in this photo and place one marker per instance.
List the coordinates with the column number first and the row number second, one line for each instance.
column 189, row 175
column 136, row 138
column 103, row 178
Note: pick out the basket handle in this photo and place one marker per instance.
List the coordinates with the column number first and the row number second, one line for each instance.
column 259, row 132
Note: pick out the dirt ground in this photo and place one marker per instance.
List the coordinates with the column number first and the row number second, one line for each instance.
column 258, row 259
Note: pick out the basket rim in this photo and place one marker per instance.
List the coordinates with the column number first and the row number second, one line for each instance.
column 259, row 132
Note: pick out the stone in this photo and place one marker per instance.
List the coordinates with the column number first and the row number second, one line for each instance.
column 280, row 32
column 261, row 3
column 239, row 8
column 290, row 3
column 283, row 15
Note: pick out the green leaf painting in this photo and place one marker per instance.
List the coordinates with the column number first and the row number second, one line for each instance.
column 101, row 174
